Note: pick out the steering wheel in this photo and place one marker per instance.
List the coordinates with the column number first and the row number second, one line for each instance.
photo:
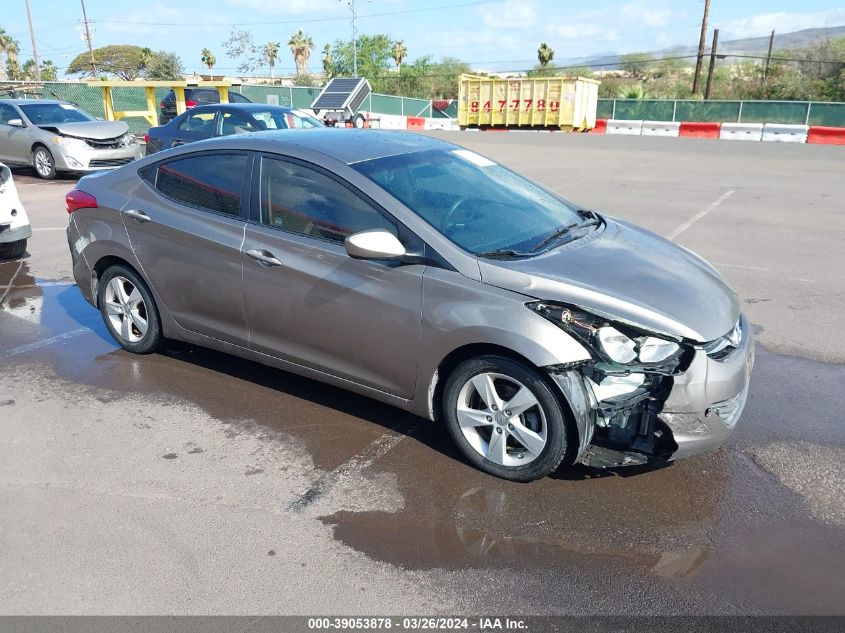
column 446, row 222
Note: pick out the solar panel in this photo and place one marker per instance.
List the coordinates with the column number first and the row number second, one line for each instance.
column 343, row 93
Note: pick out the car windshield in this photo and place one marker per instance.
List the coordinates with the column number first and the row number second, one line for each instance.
column 476, row 203
column 53, row 113
column 283, row 119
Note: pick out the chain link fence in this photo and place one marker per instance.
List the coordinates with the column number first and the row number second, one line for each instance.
column 797, row 112
column 90, row 99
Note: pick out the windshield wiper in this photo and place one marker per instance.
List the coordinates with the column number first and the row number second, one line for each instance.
column 503, row 253
column 590, row 219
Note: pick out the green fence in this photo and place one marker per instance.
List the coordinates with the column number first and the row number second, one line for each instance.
column 797, row 112
column 90, row 99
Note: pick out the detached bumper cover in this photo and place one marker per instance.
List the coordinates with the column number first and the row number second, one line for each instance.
column 706, row 401
column 95, row 159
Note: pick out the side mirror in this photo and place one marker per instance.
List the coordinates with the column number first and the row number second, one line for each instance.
column 375, row 244
column 15, row 122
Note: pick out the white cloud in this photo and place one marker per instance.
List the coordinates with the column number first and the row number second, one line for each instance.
column 584, row 30
column 646, row 13
column 513, row 14
column 762, row 24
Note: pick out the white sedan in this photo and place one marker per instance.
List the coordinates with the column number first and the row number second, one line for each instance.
column 14, row 223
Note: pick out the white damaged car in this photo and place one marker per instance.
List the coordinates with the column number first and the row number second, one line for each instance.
column 14, row 223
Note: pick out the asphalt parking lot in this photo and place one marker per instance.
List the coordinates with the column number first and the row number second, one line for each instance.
column 192, row 482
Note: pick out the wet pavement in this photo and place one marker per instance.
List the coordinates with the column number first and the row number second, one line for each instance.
column 193, row 482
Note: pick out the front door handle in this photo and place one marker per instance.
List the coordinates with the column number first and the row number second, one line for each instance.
column 264, row 258
column 138, row 216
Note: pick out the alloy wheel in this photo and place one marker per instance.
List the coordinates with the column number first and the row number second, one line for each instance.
column 126, row 309
column 43, row 163
column 502, row 419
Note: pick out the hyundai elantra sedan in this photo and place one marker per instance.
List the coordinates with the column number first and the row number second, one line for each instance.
column 426, row 276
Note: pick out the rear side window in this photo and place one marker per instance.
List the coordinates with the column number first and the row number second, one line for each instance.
column 302, row 200
column 210, row 181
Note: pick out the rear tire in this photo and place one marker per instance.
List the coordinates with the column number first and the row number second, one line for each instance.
column 43, row 162
column 12, row 250
column 128, row 310
column 505, row 418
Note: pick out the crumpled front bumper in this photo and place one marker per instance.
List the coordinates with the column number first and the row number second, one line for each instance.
column 72, row 159
column 707, row 399
column 697, row 415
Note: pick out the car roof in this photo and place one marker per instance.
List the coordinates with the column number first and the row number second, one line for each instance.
column 247, row 107
column 28, row 101
column 346, row 145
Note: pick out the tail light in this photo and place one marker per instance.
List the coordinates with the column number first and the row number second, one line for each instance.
column 162, row 105
column 190, row 104
column 147, row 137
column 77, row 199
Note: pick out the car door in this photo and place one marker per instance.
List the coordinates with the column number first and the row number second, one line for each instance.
column 308, row 301
column 196, row 126
column 186, row 227
column 15, row 141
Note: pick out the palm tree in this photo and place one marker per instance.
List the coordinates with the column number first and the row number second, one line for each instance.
column 301, row 46
column 209, row 60
column 545, row 54
column 399, row 53
column 271, row 54
column 327, row 60
column 8, row 47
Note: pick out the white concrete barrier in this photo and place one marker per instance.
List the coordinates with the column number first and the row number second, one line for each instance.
column 741, row 131
column 388, row 121
column 661, row 128
column 439, row 124
column 785, row 133
column 618, row 126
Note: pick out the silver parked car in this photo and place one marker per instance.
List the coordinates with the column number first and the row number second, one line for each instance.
column 54, row 136
column 426, row 276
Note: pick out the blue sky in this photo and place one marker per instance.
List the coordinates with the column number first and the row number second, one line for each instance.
column 501, row 35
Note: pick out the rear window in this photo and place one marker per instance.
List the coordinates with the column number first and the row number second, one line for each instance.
column 213, row 182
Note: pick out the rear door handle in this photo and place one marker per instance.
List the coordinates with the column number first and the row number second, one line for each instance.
column 265, row 258
column 138, row 216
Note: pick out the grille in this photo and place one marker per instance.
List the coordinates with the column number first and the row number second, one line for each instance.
column 730, row 410
column 110, row 162
column 108, row 143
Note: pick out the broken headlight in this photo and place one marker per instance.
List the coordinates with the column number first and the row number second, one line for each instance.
column 614, row 342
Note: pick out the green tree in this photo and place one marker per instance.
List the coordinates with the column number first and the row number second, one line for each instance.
column 208, row 60
column 399, row 52
column 164, row 66
column 301, row 45
column 327, row 61
column 375, row 52
column 271, row 54
column 545, row 54
column 240, row 46
column 637, row 64
column 9, row 49
column 122, row 60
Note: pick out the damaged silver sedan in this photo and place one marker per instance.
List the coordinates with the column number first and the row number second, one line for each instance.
column 54, row 136
column 426, row 276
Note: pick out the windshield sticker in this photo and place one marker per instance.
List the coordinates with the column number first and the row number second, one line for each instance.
column 474, row 158
column 66, row 106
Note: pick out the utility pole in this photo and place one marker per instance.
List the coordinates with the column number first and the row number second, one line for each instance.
column 351, row 4
column 700, row 59
column 34, row 45
column 769, row 57
column 712, row 63
column 89, row 39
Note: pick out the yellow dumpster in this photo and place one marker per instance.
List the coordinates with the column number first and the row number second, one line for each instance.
column 566, row 103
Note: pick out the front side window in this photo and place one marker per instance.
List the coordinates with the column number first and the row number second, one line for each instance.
column 209, row 181
column 476, row 203
column 7, row 113
column 53, row 113
column 302, row 200
column 198, row 122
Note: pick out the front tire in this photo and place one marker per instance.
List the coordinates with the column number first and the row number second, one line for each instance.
column 505, row 418
column 44, row 163
column 12, row 250
column 128, row 310
column 359, row 121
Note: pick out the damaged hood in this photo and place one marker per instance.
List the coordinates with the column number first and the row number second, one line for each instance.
column 96, row 130
column 626, row 273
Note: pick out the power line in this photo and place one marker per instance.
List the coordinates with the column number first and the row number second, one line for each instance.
column 306, row 20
